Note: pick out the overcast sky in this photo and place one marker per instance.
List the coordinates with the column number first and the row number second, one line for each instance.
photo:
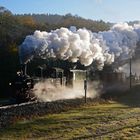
column 107, row 10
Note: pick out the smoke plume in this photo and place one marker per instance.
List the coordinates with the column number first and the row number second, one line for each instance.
column 135, row 67
column 82, row 45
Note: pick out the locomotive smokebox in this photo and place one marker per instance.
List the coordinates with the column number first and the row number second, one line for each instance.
column 24, row 69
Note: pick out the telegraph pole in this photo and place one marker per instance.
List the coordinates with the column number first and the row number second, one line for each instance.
column 130, row 73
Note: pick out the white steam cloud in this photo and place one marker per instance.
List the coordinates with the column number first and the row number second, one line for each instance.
column 46, row 91
column 82, row 45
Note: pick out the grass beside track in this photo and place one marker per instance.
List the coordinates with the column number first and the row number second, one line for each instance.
column 118, row 119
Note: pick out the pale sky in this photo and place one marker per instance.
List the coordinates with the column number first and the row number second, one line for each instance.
column 107, row 10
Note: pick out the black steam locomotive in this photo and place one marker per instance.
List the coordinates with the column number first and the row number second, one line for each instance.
column 21, row 87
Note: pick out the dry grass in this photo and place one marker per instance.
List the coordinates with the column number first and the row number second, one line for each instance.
column 111, row 120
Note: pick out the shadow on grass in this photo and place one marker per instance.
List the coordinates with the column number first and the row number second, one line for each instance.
column 130, row 97
column 101, row 134
column 28, row 129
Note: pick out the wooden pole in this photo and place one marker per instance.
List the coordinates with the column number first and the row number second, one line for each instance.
column 130, row 73
column 85, row 87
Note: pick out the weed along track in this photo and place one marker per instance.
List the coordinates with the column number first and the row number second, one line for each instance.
column 10, row 114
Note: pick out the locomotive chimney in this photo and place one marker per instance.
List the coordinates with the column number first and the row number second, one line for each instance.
column 24, row 69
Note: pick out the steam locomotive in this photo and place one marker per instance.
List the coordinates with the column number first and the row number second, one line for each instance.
column 21, row 87
column 23, row 84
